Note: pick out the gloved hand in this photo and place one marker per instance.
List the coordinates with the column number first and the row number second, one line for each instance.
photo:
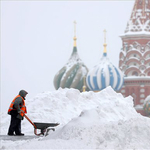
column 19, row 117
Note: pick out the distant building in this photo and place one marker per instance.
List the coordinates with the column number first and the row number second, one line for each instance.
column 134, row 59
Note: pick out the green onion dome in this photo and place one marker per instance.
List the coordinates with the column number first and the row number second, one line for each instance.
column 73, row 74
column 147, row 105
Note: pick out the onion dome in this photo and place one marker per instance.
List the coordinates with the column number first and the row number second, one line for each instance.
column 72, row 75
column 104, row 74
column 147, row 105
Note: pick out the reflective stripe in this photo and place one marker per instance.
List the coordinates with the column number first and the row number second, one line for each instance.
column 12, row 108
column 22, row 111
column 22, row 108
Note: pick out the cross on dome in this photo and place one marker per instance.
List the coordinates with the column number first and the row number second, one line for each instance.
column 105, row 36
column 105, row 51
column 75, row 34
column 75, row 27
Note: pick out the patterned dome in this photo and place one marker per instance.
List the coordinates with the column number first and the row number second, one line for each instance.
column 72, row 75
column 147, row 105
column 104, row 74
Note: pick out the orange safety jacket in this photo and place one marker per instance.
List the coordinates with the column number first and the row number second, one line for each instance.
column 23, row 107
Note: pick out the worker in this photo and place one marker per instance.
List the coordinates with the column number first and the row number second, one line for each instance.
column 17, row 110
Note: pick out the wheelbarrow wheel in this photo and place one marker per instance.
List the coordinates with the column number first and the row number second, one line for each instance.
column 41, row 133
column 47, row 131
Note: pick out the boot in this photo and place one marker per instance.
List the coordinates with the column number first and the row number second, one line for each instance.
column 20, row 134
column 11, row 134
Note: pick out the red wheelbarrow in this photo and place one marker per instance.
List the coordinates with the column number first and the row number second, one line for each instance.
column 42, row 126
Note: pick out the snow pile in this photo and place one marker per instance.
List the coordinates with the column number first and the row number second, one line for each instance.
column 102, row 120
column 96, row 134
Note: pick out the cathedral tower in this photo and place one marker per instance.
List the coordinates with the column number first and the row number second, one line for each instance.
column 134, row 59
column 104, row 74
column 73, row 74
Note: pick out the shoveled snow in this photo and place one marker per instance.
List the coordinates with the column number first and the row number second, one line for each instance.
column 88, row 120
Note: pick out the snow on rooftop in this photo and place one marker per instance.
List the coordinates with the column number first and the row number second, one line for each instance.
column 135, row 34
column 137, row 78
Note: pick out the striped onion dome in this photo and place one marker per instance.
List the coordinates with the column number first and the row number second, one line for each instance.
column 104, row 74
column 72, row 75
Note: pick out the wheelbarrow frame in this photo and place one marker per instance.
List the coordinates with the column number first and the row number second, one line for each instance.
column 42, row 126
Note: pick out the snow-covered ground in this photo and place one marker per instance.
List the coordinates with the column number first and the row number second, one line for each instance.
column 88, row 120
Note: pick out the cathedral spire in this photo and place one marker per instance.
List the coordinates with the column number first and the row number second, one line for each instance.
column 75, row 34
column 140, row 17
column 105, row 51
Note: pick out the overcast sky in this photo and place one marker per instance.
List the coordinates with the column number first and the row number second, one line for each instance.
column 37, row 40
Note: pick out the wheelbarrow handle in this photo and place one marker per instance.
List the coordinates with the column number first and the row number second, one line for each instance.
column 30, row 121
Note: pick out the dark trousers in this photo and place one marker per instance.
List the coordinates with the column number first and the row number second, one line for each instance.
column 15, row 124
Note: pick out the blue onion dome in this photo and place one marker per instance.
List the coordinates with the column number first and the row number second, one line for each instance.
column 72, row 75
column 146, row 105
column 104, row 74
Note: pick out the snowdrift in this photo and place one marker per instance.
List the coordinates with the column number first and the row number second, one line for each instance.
column 102, row 120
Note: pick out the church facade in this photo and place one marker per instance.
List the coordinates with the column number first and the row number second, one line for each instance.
column 134, row 58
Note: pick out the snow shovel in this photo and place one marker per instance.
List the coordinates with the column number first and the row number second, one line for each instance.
column 42, row 126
